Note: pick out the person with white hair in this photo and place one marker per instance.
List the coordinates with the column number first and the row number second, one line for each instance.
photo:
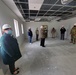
column 42, row 36
column 10, row 51
column 62, row 31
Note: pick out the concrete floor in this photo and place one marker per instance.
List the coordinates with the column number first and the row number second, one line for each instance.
column 57, row 58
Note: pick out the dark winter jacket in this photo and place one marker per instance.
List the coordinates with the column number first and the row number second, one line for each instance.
column 30, row 33
column 62, row 30
column 9, row 49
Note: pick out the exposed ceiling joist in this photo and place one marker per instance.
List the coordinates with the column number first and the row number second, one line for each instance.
column 47, row 8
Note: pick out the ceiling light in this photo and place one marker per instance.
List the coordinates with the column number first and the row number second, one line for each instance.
column 37, row 19
column 66, row 1
column 35, row 4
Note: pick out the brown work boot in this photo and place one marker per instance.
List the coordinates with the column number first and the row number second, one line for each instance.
column 16, row 72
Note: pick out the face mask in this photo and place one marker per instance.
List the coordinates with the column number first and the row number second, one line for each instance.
column 9, row 32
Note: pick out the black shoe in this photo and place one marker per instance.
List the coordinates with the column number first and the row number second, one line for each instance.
column 40, row 45
column 16, row 69
column 43, row 46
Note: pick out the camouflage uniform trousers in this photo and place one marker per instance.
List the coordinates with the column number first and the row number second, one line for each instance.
column 74, row 39
column 71, row 38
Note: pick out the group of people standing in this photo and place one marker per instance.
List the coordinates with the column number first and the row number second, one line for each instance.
column 62, row 32
column 30, row 35
column 42, row 35
column 10, row 51
column 53, row 32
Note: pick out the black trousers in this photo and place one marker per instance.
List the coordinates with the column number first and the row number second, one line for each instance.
column 12, row 67
column 42, row 42
column 37, row 37
column 62, row 36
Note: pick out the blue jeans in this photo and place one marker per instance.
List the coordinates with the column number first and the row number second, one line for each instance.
column 30, row 39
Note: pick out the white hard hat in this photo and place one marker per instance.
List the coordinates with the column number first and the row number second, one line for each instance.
column 41, row 27
column 29, row 28
column 5, row 26
column 74, row 23
column 62, row 25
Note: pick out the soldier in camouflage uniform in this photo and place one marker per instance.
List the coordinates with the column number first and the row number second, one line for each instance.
column 73, row 34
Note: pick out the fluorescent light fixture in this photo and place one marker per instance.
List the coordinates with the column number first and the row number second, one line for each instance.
column 37, row 19
column 66, row 1
column 31, row 21
column 35, row 4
